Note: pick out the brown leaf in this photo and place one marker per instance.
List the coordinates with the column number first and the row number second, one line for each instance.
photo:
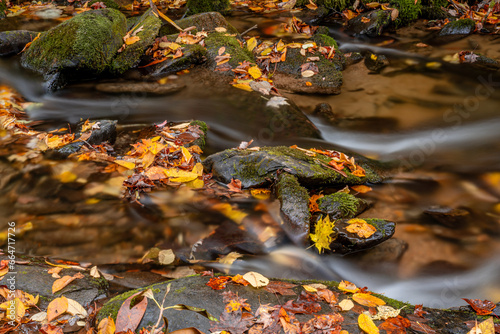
column 235, row 186
column 129, row 318
column 57, row 307
column 482, row 307
column 396, row 325
column 283, row 288
column 61, row 283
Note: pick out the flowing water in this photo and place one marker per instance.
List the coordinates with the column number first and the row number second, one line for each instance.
column 439, row 127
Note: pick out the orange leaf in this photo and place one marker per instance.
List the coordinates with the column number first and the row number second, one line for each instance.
column 367, row 324
column 366, row 299
column 60, row 283
column 157, row 61
column 218, row 283
column 106, row 326
column 482, row 307
column 235, row 186
column 348, row 286
column 361, row 189
column 57, row 307
column 313, row 205
column 361, row 228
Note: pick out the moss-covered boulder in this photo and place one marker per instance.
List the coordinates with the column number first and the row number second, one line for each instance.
column 13, row 42
column 346, row 242
column 458, row 27
column 107, row 3
column 433, row 9
column 147, row 27
column 370, row 23
column 203, row 21
column 203, row 6
column 259, row 168
column 78, row 48
column 216, row 40
column 294, row 200
column 328, row 80
column 342, row 205
column 409, row 10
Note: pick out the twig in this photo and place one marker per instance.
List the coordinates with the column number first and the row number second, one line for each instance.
column 249, row 29
column 163, row 16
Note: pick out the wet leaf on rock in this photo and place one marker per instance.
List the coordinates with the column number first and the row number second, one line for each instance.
column 128, row 318
column 366, row 299
column 481, row 307
column 367, row 324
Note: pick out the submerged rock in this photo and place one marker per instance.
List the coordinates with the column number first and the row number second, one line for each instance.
column 13, row 42
column 140, row 87
column 203, row 21
column 458, row 27
column 375, row 63
column 147, row 28
column 342, row 205
column 294, row 201
column 259, row 168
column 202, row 6
column 370, row 24
column 347, row 242
column 455, row 218
column 78, row 48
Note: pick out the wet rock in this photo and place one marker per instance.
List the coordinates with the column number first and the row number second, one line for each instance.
column 458, row 27
column 193, row 291
column 371, row 23
column 325, row 111
column 481, row 62
column 13, row 42
column 147, row 27
column 78, row 48
column 342, row 205
column 105, row 131
column 140, row 87
column 85, row 290
column 232, row 46
column 375, row 63
column 328, row 80
column 259, row 168
column 347, row 242
column 448, row 216
column 294, row 200
column 192, row 55
column 352, row 58
column 203, row 21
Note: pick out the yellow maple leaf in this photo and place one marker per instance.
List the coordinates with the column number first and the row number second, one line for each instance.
column 322, row 236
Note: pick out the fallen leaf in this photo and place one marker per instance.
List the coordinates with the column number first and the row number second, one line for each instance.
column 251, row 44
column 57, row 307
column 255, row 72
column 346, row 304
column 322, row 236
column 61, row 283
column 129, row 318
column 362, row 229
column 367, row 324
column 283, row 288
column 362, row 189
column 94, row 272
column 307, row 74
column 166, row 256
column 255, row 279
column 366, row 299
column 218, row 283
column 106, row 326
column 234, row 186
column 481, row 307
column 220, row 29
column 74, row 308
column 348, row 286
column 485, row 327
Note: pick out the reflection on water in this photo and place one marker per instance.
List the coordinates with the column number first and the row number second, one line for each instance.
column 444, row 131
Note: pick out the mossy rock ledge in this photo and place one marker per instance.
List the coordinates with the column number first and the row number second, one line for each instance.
column 193, row 291
column 342, row 205
column 259, row 168
column 203, row 21
column 79, row 48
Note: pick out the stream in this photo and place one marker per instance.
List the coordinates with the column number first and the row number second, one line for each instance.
column 438, row 127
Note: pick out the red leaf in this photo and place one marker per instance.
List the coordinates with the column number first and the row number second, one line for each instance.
column 396, row 325
column 419, row 311
column 283, row 288
column 129, row 318
column 482, row 307
column 422, row 328
column 235, row 185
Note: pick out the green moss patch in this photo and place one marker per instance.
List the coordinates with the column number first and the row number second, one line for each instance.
column 203, row 6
